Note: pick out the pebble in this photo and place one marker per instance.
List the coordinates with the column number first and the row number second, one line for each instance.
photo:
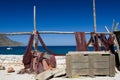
column 2, row 68
column 10, row 70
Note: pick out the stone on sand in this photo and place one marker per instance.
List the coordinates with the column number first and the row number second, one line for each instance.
column 2, row 67
column 10, row 70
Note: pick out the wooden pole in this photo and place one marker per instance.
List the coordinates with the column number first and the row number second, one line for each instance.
column 94, row 16
column 34, row 18
column 35, row 42
column 107, row 29
column 49, row 32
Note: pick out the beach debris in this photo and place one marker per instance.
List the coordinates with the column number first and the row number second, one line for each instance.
column 45, row 75
column 2, row 67
column 10, row 70
column 60, row 72
column 53, row 73
column 22, row 71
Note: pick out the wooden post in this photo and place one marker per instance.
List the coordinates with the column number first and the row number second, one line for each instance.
column 35, row 42
column 34, row 18
column 94, row 16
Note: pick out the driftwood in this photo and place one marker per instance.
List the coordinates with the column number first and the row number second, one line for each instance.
column 46, row 75
column 60, row 72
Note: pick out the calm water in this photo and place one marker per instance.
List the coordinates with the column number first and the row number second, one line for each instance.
column 21, row 50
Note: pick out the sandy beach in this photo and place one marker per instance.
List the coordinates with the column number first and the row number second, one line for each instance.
column 15, row 61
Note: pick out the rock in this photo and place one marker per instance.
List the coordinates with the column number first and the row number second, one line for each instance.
column 2, row 68
column 10, row 70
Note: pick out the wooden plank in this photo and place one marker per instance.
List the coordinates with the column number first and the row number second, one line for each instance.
column 79, row 58
column 101, row 57
column 76, row 72
column 91, row 66
column 45, row 75
column 101, row 64
column 68, row 66
column 87, row 52
column 79, row 65
column 101, row 71
column 112, row 65
column 60, row 72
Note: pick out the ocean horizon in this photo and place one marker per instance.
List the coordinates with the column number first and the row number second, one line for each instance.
column 20, row 50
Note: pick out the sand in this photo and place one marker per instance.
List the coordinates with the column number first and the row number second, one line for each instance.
column 15, row 61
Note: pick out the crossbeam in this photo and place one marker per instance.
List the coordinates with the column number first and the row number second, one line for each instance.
column 49, row 32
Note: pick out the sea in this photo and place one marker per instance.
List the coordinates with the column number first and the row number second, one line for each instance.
column 20, row 50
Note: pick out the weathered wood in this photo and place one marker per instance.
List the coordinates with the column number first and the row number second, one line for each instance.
column 48, row 32
column 17, row 33
column 101, row 64
column 78, row 58
column 91, row 66
column 94, row 16
column 77, row 72
column 101, row 71
column 101, row 57
column 46, row 75
column 81, row 65
column 34, row 16
column 68, row 63
column 60, row 72
column 112, row 69
column 90, row 63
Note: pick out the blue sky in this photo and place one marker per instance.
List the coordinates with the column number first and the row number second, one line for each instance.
column 56, row 15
